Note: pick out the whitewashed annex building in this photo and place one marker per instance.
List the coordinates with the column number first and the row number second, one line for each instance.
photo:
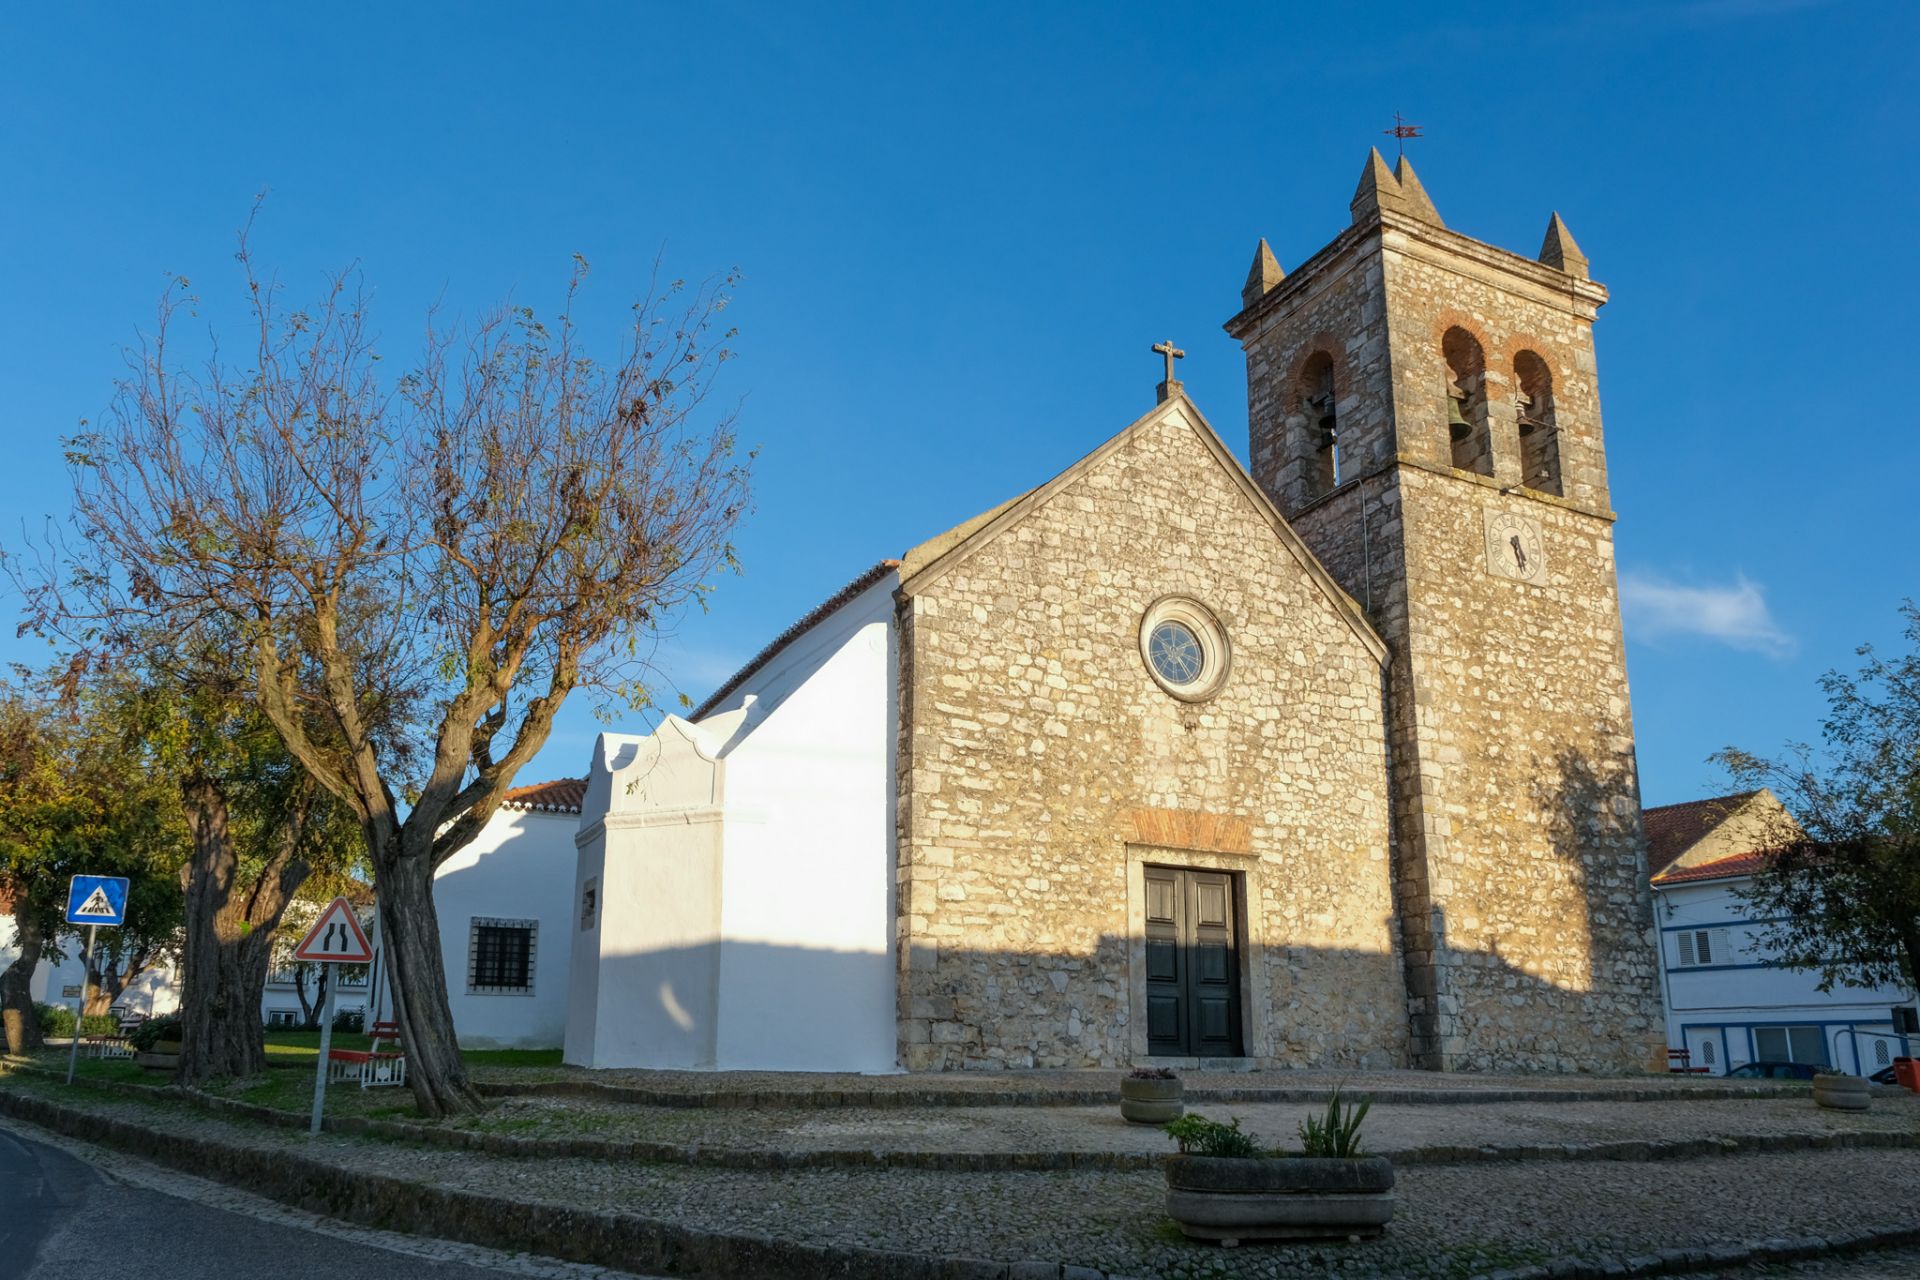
column 1729, row 998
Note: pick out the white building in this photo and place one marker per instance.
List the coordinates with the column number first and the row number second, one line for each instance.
column 505, row 903
column 1728, row 999
column 734, row 894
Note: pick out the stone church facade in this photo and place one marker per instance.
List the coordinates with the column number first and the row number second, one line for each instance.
column 1329, row 764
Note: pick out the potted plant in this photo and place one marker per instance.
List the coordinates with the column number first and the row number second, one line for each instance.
column 1839, row 1091
column 1222, row 1187
column 1151, row 1095
column 156, row 1043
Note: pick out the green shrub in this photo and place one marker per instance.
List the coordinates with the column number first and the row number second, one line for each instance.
column 1199, row 1136
column 100, row 1024
column 352, row 1020
column 1336, row 1134
column 151, row 1032
column 54, row 1019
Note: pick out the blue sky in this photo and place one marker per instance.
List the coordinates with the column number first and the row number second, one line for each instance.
column 961, row 228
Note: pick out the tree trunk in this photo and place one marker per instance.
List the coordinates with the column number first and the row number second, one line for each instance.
column 21, row 1021
column 107, row 981
column 229, row 943
column 310, row 1010
column 418, row 981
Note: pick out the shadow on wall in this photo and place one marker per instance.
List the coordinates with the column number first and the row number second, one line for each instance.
column 755, row 1006
column 1558, row 970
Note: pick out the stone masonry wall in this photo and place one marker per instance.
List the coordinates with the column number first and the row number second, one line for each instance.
column 1520, row 869
column 1042, row 764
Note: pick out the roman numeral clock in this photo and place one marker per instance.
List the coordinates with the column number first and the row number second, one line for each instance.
column 1514, row 547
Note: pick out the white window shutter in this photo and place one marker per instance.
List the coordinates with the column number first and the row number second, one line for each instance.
column 1720, row 947
column 1686, row 950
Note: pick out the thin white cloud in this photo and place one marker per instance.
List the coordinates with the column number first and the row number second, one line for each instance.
column 1735, row 615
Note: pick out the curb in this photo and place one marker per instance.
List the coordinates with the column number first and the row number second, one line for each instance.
column 889, row 1099
column 751, row 1159
column 630, row 1241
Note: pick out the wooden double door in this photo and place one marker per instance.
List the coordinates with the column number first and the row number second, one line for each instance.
column 1193, row 963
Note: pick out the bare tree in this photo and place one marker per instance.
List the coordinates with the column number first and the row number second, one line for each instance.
column 509, row 521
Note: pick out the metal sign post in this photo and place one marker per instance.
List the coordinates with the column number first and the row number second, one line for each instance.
column 335, row 939
column 92, row 901
column 80, row 1005
column 331, row 974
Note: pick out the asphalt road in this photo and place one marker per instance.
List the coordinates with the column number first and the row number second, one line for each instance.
column 62, row 1218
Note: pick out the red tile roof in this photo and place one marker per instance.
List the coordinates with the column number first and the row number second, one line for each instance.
column 562, row 795
column 1672, row 829
column 1739, row 864
column 794, row 632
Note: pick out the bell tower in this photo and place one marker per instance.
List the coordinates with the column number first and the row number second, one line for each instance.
column 1424, row 410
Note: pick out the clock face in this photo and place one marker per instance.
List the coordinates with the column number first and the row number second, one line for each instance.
column 1514, row 548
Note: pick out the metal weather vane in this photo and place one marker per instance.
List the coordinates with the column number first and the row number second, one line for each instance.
column 1402, row 131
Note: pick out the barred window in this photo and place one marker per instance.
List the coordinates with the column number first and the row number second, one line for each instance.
column 500, row 956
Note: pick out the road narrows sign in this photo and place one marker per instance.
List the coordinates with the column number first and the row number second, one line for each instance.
column 336, row 938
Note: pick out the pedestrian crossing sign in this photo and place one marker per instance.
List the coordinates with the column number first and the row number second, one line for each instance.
column 97, row 900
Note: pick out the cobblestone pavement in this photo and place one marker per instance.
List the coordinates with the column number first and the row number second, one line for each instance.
column 1390, row 1128
column 1893, row 1264
column 1453, row 1221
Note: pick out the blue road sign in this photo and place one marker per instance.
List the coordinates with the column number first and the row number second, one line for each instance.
column 97, row 900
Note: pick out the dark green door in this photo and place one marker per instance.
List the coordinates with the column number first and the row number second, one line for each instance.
column 1193, row 965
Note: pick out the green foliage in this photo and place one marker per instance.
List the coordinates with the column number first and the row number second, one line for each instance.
column 75, row 798
column 151, row 1032
column 1199, row 1136
column 1842, row 890
column 57, row 1020
column 1335, row 1135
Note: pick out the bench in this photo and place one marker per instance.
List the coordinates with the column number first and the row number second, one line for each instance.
column 370, row 1067
column 106, row 1046
column 1679, row 1063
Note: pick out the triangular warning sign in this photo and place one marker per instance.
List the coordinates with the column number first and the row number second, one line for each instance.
column 97, row 906
column 336, row 938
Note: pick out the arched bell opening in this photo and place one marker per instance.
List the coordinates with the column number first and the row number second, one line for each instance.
column 1539, row 432
column 1466, row 396
column 1320, row 422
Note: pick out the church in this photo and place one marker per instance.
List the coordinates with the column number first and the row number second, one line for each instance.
column 1329, row 764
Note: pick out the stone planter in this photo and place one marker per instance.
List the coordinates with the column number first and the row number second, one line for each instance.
column 1151, row 1101
column 157, row 1061
column 1842, row 1093
column 1279, row 1197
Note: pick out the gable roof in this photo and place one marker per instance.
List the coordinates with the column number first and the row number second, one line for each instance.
column 955, row 547
column 926, row 562
column 562, row 795
column 1739, row 864
column 805, row 624
column 1672, row 829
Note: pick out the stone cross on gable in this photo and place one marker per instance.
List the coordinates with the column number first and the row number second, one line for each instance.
column 1170, row 384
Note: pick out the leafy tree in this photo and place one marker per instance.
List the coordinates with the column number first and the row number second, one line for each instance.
column 425, row 568
column 1844, row 882
column 71, row 802
column 259, row 827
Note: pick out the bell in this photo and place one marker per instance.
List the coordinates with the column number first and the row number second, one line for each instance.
column 1458, row 428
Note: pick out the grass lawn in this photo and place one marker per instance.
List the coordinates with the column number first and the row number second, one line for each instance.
column 297, row 1048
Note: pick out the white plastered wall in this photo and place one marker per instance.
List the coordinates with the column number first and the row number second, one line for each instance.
column 520, row 867
column 744, row 870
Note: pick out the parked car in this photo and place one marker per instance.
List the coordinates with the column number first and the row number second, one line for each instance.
column 1773, row 1071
